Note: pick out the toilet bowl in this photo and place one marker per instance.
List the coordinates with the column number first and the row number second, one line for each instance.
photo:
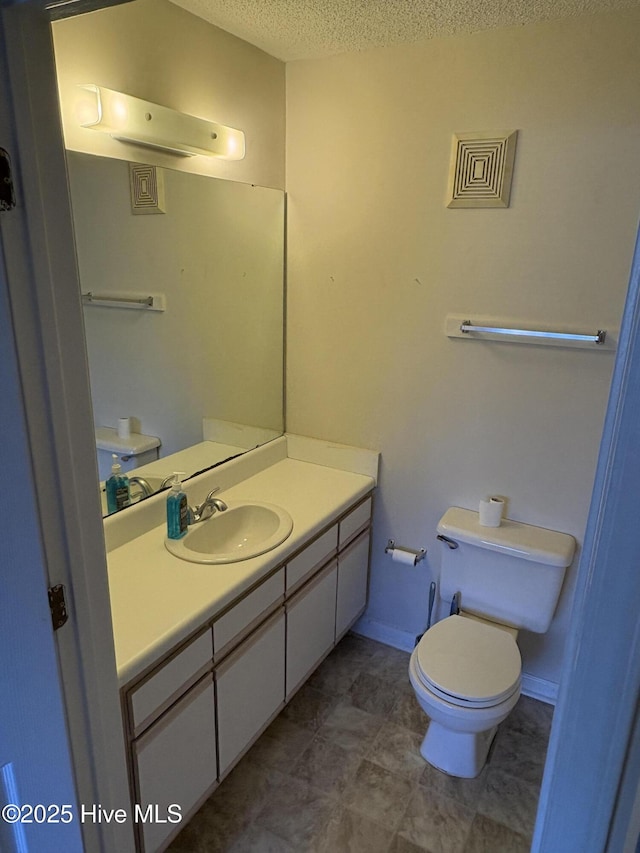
column 466, row 676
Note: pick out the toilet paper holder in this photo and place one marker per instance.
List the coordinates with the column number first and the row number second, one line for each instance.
column 417, row 554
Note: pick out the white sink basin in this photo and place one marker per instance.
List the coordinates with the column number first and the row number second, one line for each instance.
column 242, row 531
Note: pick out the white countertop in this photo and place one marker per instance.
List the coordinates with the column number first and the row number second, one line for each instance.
column 157, row 599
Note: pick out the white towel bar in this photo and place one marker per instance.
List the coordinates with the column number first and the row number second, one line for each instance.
column 598, row 338
column 153, row 302
column 457, row 326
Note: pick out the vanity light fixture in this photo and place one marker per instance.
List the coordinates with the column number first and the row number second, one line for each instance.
column 139, row 122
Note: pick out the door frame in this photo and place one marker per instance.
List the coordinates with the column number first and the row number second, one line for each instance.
column 46, row 310
column 591, row 775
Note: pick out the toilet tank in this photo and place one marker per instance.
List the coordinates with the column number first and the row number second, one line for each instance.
column 132, row 452
column 511, row 574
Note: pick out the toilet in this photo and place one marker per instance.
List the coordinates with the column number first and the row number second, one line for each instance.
column 466, row 669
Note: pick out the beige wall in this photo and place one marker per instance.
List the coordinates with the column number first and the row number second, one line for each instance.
column 376, row 261
column 156, row 51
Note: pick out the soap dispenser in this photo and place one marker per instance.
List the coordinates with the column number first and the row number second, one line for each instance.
column 177, row 509
column 117, row 488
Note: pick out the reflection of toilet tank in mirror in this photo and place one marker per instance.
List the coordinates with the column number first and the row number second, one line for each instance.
column 466, row 669
column 132, row 452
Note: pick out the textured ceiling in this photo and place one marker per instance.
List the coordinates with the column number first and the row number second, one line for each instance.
column 303, row 29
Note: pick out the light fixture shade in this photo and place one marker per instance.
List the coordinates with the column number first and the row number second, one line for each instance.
column 130, row 119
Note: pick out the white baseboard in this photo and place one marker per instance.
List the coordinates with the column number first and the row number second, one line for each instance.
column 532, row 685
column 386, row 634
column 540, row 688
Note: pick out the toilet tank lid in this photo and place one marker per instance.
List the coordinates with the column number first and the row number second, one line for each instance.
column 512, row 538
column 137, row 443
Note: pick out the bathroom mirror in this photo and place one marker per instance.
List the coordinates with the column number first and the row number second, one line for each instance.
column 202, row 368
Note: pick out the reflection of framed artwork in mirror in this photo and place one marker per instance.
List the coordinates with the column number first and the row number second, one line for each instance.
column 147, row 189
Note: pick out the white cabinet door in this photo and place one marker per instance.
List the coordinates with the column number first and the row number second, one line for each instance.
column 161, row 690
column 310, row 626
column 176, row 763
column 354, row 521
column 250, row 689
column 312, row 558
column 238, row 622
column 353, row 573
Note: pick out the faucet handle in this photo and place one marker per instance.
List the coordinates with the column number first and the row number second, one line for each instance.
column 213, row 492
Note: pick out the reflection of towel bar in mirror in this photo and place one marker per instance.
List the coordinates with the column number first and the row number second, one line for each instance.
column 121, row 300
column 458, row 327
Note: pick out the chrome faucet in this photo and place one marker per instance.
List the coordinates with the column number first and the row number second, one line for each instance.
column 145, row 489
column 199, row 512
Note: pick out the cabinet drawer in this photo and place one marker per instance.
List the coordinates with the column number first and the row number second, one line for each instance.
column 353, row 522
column 311, row 621
column 250, row 689
column 353, row 576
column 243, row 616
column 170, row 680
column 176, row 762
column 312, row 558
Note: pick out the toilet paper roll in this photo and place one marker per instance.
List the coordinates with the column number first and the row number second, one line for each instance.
column 490, row 512
column 124, row 427
column 407, row 558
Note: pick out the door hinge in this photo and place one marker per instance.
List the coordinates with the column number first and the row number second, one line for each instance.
column 7, row 194
column 58, row 606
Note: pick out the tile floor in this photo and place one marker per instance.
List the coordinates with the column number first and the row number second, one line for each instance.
column 339, row 771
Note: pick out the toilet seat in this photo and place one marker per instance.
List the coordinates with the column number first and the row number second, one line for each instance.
column 469, row 663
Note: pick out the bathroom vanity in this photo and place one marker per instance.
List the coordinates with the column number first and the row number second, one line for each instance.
column 208, row 655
